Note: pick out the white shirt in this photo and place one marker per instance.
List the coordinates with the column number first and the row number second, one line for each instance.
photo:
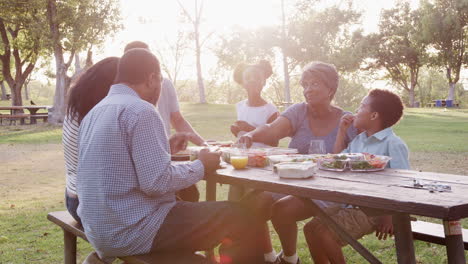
column 254, row 115
column 167, row 104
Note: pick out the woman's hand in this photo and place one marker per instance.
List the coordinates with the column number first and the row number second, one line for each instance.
column 384, row 227
column 235, row 130
column 346, row 121
column 246, row 139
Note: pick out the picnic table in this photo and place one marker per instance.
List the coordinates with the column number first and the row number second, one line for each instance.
column 389, row 192
column 32, row 109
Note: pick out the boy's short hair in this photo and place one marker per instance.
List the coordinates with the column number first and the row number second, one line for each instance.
column 388, row 105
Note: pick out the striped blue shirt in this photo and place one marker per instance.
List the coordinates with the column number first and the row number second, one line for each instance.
column 125, row 180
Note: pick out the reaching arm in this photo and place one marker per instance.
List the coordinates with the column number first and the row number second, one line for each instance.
column 268, row 134
column 150, row 154
column 181, row 125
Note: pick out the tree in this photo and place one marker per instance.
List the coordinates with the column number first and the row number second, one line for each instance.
column 172, row 58
column 196, row 20
column 76, row 26
column 445, row 29
column 21, row 40
column 326, row 35
column 399, row 48
column 2, row 85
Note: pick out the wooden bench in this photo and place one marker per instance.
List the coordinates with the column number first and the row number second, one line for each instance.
column 14, row 118
column 72, row 230
column 43, row 116
column 433, row 233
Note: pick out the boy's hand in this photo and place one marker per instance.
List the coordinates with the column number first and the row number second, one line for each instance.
column 384, row 227
column 346, row 121
column 178, row 142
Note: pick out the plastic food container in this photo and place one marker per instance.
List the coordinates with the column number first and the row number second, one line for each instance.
column 372, row 163
column 295, row 170
column 332, row 164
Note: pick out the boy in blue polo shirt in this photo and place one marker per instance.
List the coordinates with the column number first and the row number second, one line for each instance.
column 378, row 112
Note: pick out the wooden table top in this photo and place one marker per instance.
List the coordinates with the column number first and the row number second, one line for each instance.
column 388, row 189
column 20, row 107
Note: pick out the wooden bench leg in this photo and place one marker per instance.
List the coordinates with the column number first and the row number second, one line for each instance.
column 454, row 242
column 404, row 238
column 69, row 240
column 210, row 196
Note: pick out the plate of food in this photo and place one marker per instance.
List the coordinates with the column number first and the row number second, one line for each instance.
column 370, row 163
column 336, row 163
column 359, row 162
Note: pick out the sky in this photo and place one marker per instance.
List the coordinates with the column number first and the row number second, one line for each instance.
column 156, row 22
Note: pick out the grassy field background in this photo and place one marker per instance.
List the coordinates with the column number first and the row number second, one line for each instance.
column 32, row 180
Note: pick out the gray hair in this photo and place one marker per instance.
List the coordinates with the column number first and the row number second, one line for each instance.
column 325, row 71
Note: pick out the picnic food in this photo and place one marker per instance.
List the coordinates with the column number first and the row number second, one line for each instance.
column 257, row 157
column 274, row 159
column 239, row 162
column 355, row 161
column 333, row 164
column 370, row 163
column 296, row 170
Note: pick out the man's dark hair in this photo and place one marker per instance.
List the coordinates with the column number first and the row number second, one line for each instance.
column 91, row 87
column 388, row 105
column 136, row 65
column 136, row 45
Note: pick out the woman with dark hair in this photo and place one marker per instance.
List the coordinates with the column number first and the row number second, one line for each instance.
column 90, row 88
column 254, row 111
column 315, row 119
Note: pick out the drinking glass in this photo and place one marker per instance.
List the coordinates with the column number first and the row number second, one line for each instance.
column 317, row 147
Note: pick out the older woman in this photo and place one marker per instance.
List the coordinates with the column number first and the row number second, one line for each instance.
column 314, row 119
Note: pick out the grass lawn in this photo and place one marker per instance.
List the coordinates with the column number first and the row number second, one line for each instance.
column 32, row 180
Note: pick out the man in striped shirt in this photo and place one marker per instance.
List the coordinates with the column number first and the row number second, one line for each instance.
column 127, row 184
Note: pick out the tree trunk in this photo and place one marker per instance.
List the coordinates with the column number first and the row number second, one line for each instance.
column 4, row 92
column 16, row 98
column 201, row 86
column 411, row 97
column 26, row 91
column 61, row 87
column 287, row 94
column 451, row 94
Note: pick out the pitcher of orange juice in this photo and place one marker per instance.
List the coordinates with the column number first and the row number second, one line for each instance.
column 239, row 159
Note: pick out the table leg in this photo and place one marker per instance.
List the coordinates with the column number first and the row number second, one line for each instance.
column 404, row 238
column 210, row 196
column 454, row 242
column 210, row 190
column 33, row 112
